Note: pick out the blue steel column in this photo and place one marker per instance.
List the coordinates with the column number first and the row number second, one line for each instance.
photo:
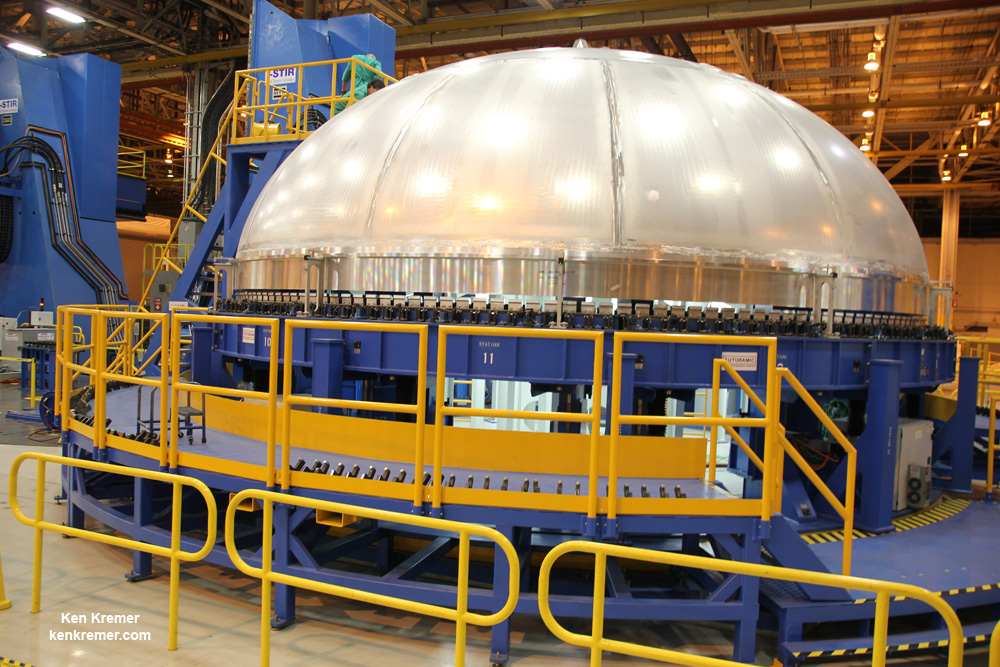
column 328, row 371
column 877, row 449
column 142, row 562
column 284, row 595
column 958, row 433
column 745, row 639
column 500, row 633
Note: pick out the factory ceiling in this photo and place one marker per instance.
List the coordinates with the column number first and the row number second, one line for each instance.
column 936, row 76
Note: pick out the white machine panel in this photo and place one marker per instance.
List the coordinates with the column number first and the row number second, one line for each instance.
column 913, row 448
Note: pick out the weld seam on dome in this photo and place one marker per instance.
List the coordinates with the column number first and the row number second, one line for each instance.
column 366, row 235
column 752, row 87
column 617, row 165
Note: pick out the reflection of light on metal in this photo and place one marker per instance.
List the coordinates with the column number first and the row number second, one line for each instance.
column 865, row 146
column 872, row 64
column 709, row 183
column 574, row 188
column 487, row 203
column 946, row 175
column 965, row 151
column 867, row 113
column 351, row 169
column 984, row 119
column 786, row 158
column 503, row 131
column 827, row 230
column 431, row 185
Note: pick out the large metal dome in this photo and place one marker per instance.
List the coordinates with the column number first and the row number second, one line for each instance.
column 653, row 178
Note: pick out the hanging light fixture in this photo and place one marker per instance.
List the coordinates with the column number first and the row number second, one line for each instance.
column 865, row 146
column 964, row 152
column 946, row 175
column 984, row 119
column 871, row 65
column 867, row 113
column 170, row 157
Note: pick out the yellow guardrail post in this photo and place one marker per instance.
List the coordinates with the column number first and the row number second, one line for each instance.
column 991, row 448
column 460, row 614
column 418, row 410
column 4, row 600
column 174, row 552
column 597, row 643
column 995, row 647
column 181, row 315
column 32, row 397
column 594, row 417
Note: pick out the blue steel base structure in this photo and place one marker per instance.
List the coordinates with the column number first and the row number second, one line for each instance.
column 305, row 548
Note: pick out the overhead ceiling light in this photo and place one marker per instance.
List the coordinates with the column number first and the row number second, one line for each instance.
column 871, row 65
column 867, row 113
column 946, row 175
column 865, row 146
column 69, row 17
column 965, row 151
column 25, row 49
column 984, row 118
column 170, row 157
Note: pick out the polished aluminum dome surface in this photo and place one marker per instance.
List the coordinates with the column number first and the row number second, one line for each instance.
column 654, row 178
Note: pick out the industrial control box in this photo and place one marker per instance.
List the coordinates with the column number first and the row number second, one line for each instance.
column 913, row 449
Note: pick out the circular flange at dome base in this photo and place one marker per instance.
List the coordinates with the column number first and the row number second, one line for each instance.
column 655, row 178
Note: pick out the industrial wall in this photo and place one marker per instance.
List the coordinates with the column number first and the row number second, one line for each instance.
column 976, row 297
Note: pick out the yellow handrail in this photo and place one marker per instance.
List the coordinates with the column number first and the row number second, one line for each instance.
column 31, row 399
column 594, row 418
column 992, row 446
column 257, row 84
column 418, row 410
column 995, row 647
column 173, row 552
column 131, row 162
column 769, row 422
column 4, row 600
column 460, row 614
column 271, row 395
column 597, row 643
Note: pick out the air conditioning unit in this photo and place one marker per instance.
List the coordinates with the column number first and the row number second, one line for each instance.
column 913, row 447
column 918, row 486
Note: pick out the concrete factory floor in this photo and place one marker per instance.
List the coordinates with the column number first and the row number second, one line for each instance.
column 220, row 613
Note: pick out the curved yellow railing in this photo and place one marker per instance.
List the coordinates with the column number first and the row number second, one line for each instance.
column 995, row 647
column 173, row 552
column 460, row 614
column 597, row 643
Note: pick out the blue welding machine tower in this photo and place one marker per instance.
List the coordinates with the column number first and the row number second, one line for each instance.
column 58, row 180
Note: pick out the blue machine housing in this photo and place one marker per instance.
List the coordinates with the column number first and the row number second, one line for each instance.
column 71, row 103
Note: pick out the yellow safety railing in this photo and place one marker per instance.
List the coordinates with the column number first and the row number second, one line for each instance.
column 460, row 614
column 271, row 395
column 131, row 162
column 995, row 647
column 4, row 600
column 418, row 410
column 593, row 418
column 214, row 153
column 32, row 398
column 992, row 447
column 844, row 509
column 769, row 422
column 989, row 371
column 597, row 643
column 273, row 112
column 173, row 552
column 158, row 257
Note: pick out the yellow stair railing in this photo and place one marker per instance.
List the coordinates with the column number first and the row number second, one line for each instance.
column 597, row 643
column 460, row 614
column 173, row 552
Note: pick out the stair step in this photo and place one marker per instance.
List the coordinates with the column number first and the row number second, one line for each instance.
column 900, row 643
